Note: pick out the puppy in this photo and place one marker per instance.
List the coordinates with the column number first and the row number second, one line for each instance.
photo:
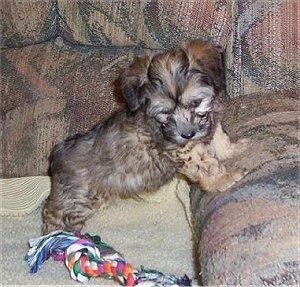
column 172, row 98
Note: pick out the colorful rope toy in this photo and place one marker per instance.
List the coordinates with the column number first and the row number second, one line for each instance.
column 87, row 256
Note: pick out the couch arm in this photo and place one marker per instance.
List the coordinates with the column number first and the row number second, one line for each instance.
column 250, row 234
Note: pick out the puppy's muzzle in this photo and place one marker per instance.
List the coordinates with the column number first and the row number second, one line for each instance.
column 188, row 135
column 191, row 133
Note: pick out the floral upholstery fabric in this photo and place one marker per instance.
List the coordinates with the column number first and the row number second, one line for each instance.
column 27, row 22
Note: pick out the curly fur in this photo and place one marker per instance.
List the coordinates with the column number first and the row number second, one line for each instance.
column 172, row 98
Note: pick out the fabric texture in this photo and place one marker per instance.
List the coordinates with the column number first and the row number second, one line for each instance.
column 151, row 24
column 264, row 51
column 22, row 195
column 249, row 235
column 54, row 90
column 27, row 22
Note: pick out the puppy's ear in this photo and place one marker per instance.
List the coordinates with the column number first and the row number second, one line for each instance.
column 207, row 58
column 132, row 80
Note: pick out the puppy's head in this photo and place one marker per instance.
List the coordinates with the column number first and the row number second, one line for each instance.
column 177, row 88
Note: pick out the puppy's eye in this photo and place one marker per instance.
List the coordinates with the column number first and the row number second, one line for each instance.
column 196, row 103
column 163, row 118
column 157, row 81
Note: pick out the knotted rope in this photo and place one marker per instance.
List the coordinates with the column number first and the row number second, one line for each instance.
column 87, row 256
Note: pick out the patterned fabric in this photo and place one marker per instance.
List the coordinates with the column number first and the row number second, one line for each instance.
column 152, row 24
column 27, row 22
column 56, row 89
column 264, row 53
column 250, row 234
column 51, row 91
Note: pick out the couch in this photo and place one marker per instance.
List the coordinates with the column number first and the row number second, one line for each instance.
column 60, row 64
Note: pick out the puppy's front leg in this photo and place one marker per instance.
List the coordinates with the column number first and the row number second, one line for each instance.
column 219, row 180
column 210, row 174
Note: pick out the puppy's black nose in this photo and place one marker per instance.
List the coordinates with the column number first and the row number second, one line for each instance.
column 188, row 135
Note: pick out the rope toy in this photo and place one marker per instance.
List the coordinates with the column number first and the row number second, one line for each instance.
column 87, row 256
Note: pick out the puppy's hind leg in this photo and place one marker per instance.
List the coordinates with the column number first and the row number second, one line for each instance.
column 68, row 206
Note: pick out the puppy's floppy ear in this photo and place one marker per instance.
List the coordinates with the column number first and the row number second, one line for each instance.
column 207, row 58
column 132, row 80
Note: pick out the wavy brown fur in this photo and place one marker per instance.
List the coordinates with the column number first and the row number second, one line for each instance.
column 170, row 101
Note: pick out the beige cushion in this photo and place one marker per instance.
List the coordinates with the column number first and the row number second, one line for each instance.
column 22, row 195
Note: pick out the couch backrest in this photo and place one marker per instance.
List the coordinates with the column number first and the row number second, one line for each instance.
column 264, row 50
column 51, row 89
column 27, row 22
column 261, row 37
column 148, row 24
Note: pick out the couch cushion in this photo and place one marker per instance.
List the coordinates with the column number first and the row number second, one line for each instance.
column 23, row 195
column 27, row 22
column 249, row 235
column 264, row 54
column 50, row 91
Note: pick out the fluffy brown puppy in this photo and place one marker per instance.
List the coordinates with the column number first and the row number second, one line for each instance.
column 172, row 99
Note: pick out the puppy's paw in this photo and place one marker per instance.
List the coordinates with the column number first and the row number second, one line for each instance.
column 51, row 220
column 242, row 145
column 224, row 181
column 231, row 178
column 236, row 149
column 49, row 227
